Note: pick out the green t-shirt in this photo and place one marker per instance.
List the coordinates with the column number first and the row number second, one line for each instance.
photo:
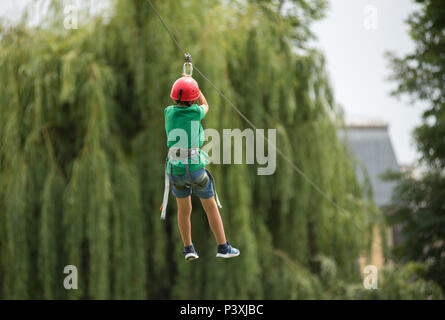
column 190, row 135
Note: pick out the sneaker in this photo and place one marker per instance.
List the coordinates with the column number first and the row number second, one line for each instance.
column 190, row 253
column 227, row 251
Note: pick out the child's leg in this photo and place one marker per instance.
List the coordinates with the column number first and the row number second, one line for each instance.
column 184, row 212
column 214, row 218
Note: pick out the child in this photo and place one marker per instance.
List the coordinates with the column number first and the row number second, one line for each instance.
column 186, row 165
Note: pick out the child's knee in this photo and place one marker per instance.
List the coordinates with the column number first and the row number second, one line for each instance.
column 209, row 203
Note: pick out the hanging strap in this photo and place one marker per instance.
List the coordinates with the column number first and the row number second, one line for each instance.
column 214, row 189
column 166, row 190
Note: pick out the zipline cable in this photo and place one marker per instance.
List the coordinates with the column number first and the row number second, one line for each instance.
column 284, row 156
column 166, row 27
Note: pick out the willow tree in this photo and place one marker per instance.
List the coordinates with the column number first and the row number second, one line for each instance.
column 82, row 150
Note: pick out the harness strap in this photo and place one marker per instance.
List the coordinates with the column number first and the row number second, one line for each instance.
column 167, row 185
column 182, row 154
column 187, row 170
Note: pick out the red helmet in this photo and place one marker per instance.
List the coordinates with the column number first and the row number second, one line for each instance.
column 185, row 89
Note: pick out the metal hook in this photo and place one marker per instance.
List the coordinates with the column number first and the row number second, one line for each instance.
column 188, row 58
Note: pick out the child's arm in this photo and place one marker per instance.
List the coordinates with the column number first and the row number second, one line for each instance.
column 203, row 102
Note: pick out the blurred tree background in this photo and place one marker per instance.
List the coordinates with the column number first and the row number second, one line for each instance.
column 419, row 202
column 82, row 150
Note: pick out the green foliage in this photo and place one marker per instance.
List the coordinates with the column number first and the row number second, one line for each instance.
column 421, row 75
column 419, row 211
column 82, row 152
column 397, row 282
column 418, row 203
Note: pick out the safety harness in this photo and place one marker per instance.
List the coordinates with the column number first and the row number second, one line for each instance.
column 182, row 155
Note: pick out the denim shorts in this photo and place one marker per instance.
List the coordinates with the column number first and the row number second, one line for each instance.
column 199, row 181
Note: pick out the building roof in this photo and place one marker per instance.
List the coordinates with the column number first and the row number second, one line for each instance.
column 371, row 145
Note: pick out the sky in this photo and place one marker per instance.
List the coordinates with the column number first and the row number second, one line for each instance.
column 354, row 37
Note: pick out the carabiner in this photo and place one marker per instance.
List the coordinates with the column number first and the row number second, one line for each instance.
column 188, row 62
